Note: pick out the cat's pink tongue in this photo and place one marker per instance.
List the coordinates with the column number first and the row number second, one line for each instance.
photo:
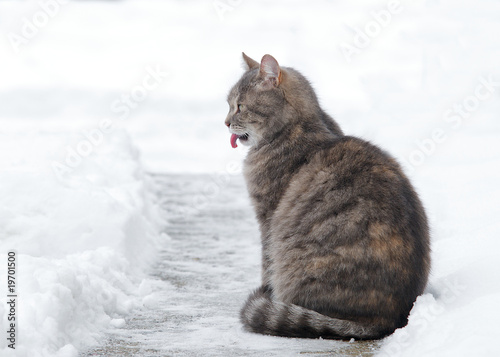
column 234, row 137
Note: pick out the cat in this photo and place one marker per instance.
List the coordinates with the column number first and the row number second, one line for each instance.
column 345, row 238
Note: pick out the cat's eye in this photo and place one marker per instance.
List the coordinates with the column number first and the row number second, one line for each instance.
column 240, row 108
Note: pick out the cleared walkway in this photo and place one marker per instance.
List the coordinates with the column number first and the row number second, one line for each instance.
column 208, row 268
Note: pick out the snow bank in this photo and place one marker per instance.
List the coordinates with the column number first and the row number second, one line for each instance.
column 78, row 214
column 458, row 314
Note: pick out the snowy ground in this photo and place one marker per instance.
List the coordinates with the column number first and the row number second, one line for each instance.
column 87, row 86
column 82, row 240
column 207, row 270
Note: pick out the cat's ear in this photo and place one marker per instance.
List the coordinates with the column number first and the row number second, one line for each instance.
column 251, row 63
column 270, row 71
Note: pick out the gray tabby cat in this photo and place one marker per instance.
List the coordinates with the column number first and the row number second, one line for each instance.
column 345, row 241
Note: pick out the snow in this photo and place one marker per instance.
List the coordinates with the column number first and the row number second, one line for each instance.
column 212, row 266
column 420, row 79
column 83, row 241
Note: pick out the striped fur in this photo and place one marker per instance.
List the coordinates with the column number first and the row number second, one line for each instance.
column 345, row 240
column 263, row 314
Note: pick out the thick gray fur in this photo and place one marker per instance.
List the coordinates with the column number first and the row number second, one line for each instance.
column 345, row 240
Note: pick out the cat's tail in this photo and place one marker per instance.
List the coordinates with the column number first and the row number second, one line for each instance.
column 263, row 314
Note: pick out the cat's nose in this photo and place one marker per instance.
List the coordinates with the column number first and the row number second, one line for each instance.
column 228, row 124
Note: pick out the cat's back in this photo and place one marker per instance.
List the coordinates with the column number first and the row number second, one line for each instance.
column 349, row 172
column 351, row 206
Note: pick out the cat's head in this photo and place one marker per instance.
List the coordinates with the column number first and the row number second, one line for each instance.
column 265, row 100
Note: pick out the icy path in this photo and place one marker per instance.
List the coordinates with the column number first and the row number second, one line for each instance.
column 206, row 272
